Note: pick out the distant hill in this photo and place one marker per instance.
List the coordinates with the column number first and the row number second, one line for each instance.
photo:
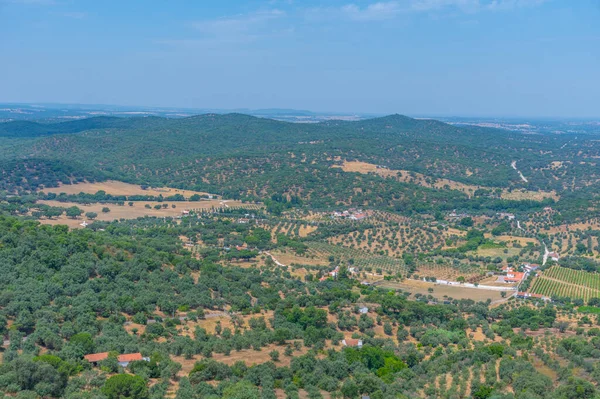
column 24, row 129
column 243, row 156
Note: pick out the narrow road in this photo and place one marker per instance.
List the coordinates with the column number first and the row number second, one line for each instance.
column 514, row 166
column 546, row 252
column 278, row 263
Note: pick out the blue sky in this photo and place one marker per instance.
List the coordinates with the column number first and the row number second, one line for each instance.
column 415, row 57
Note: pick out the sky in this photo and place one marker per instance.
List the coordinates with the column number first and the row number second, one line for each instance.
column 414, row 57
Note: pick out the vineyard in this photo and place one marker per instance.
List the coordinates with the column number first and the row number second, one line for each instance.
column 562, row 282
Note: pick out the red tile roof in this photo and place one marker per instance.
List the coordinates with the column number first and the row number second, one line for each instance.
column 127, row 357
column 352, row 342
column 518, row 276
column 130, row 357
column 96, row 357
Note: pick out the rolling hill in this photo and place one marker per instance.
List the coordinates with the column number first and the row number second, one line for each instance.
column 247, row 157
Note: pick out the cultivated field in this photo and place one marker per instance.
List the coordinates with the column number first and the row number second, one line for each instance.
column 562, row 282
column 358, row 258
column 114, row 187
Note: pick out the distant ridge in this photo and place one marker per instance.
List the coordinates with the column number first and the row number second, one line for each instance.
column 24, row 128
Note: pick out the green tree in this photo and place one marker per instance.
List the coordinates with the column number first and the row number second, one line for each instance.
column 241, row 390
column 84, row 341
column 125, row 386
column 74, row 212
column 185, row 390
column 349, row 389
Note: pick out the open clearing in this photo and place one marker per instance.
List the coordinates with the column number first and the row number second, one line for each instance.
column 289, row 258
column 426, row 181
column 442, row 291
column 138, row 209
column 114, row 187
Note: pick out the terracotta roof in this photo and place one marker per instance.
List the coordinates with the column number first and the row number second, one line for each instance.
column 130, row 357
column 517, row 276
column 96, row 357
column 352, row 342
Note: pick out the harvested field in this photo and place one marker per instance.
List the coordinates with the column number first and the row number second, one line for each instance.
column 119, row 188
column 138, row 209
column 441, row 291
column 289, row 257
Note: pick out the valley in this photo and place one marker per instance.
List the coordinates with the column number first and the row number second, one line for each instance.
column 401, row 253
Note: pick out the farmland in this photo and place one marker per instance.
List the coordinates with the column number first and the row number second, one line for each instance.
column 201, row 296
column 137, row 209
column 360, row 259
column 562, row 282
column 119, row 188
column 442, row 292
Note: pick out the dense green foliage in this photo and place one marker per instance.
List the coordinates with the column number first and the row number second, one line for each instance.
column 246, row 157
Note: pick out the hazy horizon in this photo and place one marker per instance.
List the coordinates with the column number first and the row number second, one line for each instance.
column 252, row 111
column 470, row 58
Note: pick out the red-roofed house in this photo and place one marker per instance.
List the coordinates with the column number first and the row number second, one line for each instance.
column 526, row 295
column 514, row 277
column 96, row 357
column 554, row 256
column 352, row 343
column 530, row 267
column 241, row 247
column 127, row 358
column 506, row 269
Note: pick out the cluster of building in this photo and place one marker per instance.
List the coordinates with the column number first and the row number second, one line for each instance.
column 511, row 276
column 352, row 214
column 505, row 215
column 455, row 215
column 334, row 273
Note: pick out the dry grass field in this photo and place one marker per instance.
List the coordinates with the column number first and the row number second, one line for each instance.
column 426, row 181
column 138, row 209
column 442, row 291
column 118, row 188
column 497, row 252
column 289, row 257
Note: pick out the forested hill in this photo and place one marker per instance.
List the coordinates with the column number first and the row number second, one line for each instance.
column 24, row 129
column 243, row 156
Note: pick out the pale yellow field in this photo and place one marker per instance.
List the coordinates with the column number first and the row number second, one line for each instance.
column 497, row 252
column 420, row 179
column 289, row 257
column 138, row 209
column 439, row 291
column 509, row 239
column 119, row 188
